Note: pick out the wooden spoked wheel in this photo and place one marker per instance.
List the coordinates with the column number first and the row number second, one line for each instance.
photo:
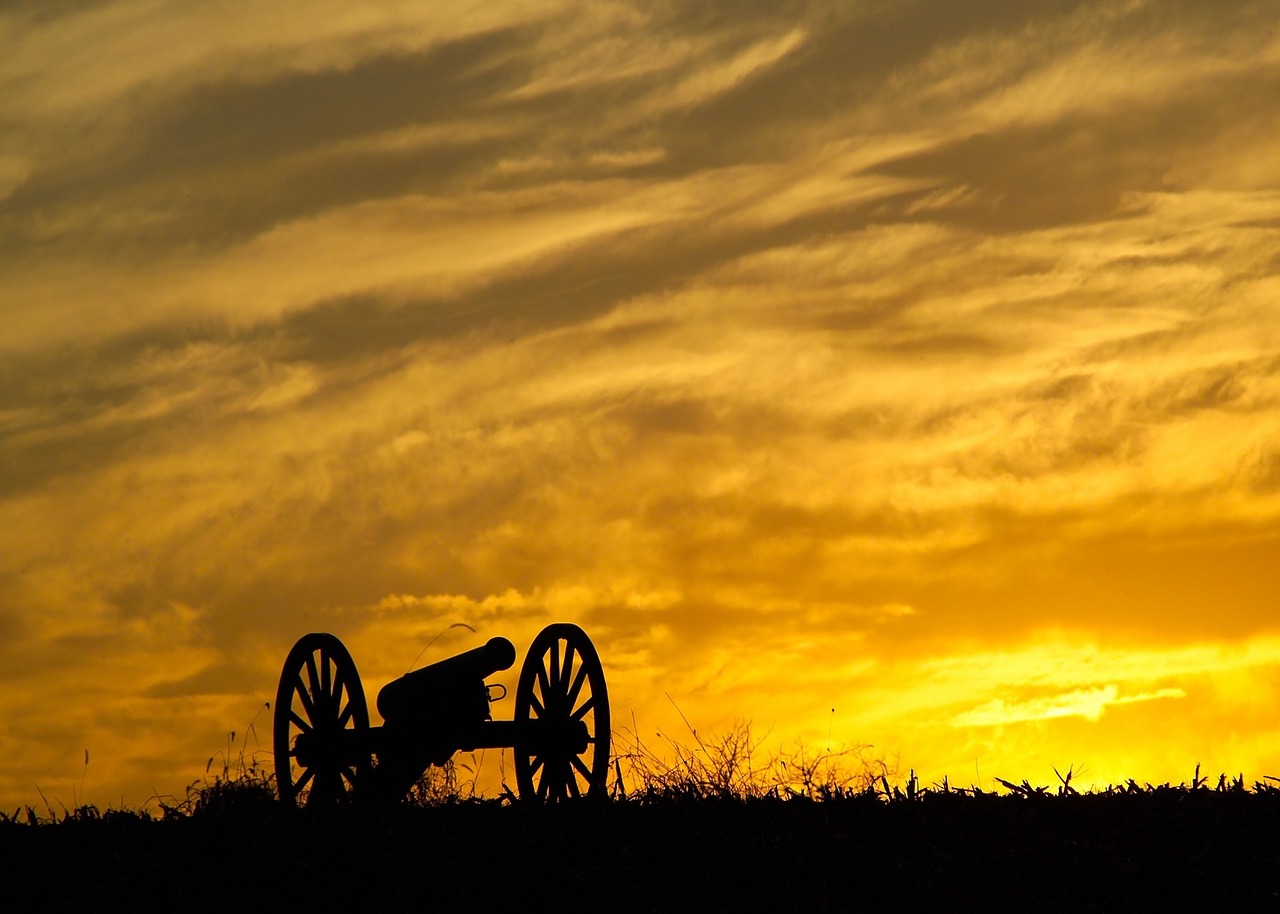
column 561, row 697
column 321, row 725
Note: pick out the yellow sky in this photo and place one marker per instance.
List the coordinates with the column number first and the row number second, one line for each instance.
column 891, row 373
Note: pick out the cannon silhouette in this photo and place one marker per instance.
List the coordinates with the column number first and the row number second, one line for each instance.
column 327, row 754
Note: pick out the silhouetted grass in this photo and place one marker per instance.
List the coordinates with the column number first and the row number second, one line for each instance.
column 737, row 765
column 717, row 825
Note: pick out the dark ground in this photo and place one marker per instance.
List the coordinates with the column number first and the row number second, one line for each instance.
column 1157, row 850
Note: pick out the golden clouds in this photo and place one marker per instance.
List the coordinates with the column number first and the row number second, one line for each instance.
column 1087, row 703
column 808, row 358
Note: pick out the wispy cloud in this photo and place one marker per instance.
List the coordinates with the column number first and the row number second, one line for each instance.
column 1087, row 703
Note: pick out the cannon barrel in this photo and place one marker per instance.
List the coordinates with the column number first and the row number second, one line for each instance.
column 414, row 693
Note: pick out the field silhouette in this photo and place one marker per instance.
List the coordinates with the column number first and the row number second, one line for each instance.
column 715, row 841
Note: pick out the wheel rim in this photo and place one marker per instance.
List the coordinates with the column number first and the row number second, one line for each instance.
column 320, row 700
column 562, row 681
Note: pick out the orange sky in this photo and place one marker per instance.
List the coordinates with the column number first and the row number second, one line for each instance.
column 919, row 361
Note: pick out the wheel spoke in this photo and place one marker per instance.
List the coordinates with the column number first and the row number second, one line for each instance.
column 574, row 689
column 333, row 786
column 319, row 792
column 345, row 717
column 341, row 691
column 567, row 668
column 572, row 784
column 537, row 763
column 554, row 679
column 307, row 775
column 326, row 681
column 584, row 708
column 314, row 678
column 298, row 721
column 543, row 685
column 576, row 762
column 308, row 705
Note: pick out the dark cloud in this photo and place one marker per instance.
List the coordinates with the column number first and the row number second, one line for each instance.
column 228, row 123
column 1265, row 473
column 924, row 343
column 86, row 407
column 644, row 414
column 1081, row 167
column 225, row 160
column 1221, row 387
column 845, row 61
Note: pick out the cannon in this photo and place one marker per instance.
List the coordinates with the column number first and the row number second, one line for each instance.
column 327, row 754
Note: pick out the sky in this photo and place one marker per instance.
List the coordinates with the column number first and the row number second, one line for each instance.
column 901, row 375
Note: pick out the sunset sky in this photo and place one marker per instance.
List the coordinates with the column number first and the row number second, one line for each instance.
column 890, row 373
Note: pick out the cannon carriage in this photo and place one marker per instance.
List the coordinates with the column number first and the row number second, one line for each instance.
column 327, row 754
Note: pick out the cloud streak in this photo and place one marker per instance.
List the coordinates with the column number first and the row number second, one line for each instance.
column 1089, row 704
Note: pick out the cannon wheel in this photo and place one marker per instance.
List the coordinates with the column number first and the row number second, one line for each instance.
column 562, row 681
column 320, row 695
